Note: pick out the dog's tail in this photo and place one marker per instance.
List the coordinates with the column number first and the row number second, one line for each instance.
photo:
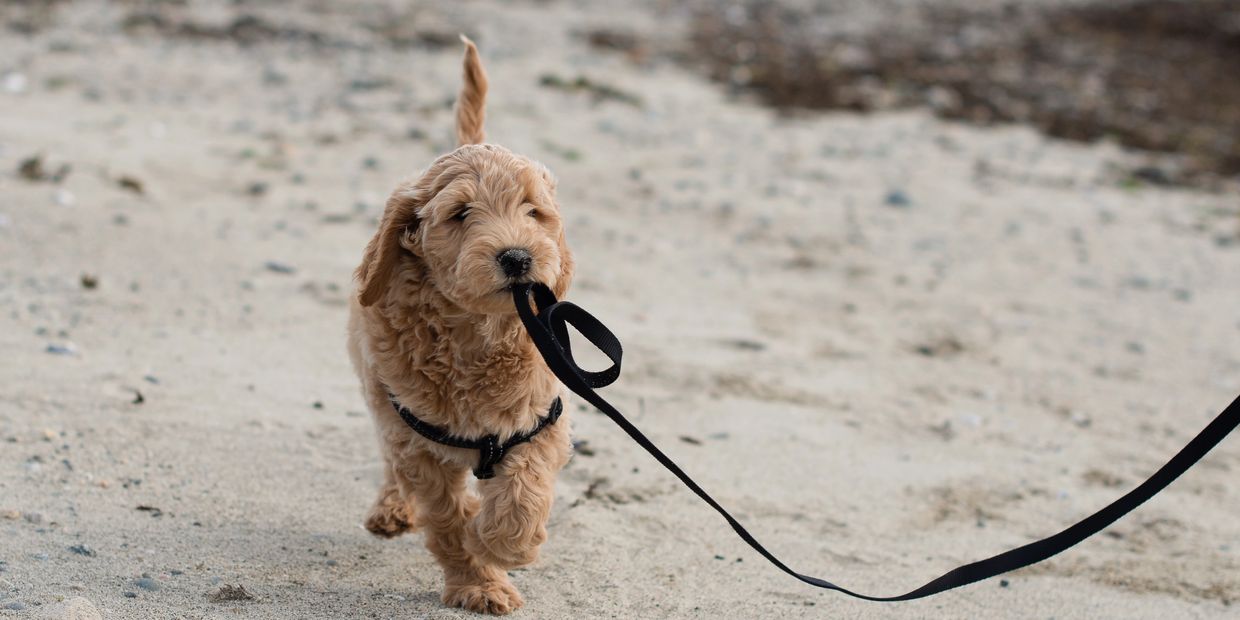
column 471, row 105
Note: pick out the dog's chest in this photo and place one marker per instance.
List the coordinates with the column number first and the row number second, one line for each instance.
column 471, row 385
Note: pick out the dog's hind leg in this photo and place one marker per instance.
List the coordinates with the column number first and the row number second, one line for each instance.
column 444, row 509
column 393, row 513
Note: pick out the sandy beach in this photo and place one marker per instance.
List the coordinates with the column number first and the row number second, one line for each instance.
column 890, row 343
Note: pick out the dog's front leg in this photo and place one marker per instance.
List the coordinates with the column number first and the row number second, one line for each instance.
column 516, row 503
column 444, row 510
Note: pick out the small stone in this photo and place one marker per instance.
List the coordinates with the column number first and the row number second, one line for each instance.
column 362, row 84
column 897, row 198
column 332, row 562
column 257, row 188
column 15, row 605
column 61, row 349
column 83, row 550
column 63, row 197
column 1152, row 175
column 129, row 594
column 132, row 184
column 318, row 404
column 583, row 447
column 31, row 168
column 230, row 593
column 11, row 515
column 745, row 344
column 279, row 267
column 148, row 584
column 1003, row 583
column 274, row 77
column 33, row 517
column 89, row 282
column 154, row 512
column 15, row 83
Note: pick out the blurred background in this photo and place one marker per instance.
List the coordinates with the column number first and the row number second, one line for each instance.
column 964, row 268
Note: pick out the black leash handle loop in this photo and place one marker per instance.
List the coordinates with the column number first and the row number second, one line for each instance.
column 552, row 339
column 549, row 332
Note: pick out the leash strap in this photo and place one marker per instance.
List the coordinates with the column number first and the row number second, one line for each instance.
column 548, row 329
column 490, row 450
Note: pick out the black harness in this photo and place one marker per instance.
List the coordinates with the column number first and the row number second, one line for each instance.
column 490, row 450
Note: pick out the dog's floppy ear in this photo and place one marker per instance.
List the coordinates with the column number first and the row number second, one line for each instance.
column 565, row 277
column 383, row 251
column 471, row 105
column 566, row 268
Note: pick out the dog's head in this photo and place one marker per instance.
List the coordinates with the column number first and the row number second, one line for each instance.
column 480, row 219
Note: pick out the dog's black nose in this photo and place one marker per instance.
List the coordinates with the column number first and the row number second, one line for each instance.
column 515, row 262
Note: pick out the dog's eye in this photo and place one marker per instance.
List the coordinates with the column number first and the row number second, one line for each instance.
column 461, row 213
column 532, row 213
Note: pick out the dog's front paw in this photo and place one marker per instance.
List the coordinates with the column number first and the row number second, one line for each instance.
column 390, row 517
column 491, row 597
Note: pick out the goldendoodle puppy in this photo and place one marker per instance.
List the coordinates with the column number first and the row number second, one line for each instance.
column 444, row 361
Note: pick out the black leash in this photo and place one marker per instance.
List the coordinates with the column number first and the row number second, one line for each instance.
column 490, row 450
column 548, row 329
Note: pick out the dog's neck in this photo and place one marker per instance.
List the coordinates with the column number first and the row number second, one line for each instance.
column 490, row 332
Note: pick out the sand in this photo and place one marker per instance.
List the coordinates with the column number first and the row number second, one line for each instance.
column 891, row 344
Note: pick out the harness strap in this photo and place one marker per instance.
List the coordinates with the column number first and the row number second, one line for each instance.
column 490, row 450
column 548, row 329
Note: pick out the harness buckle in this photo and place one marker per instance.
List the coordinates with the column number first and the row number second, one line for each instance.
column 489, row 454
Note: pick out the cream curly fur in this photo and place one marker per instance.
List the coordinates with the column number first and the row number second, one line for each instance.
column 433, row 323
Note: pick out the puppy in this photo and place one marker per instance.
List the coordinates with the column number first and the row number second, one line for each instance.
column 432, row 329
